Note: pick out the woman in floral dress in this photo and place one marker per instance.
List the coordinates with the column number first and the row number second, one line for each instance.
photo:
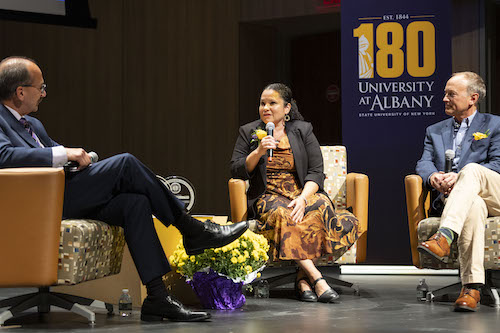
column 286, row 192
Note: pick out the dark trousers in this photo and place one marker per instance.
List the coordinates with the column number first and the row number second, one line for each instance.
column 122, row 191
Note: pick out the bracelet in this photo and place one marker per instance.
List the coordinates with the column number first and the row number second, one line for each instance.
column 303, row 198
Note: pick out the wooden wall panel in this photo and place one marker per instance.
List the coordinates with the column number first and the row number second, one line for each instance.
column 258, row 66
column 180, row 62
column 82, row 68
column 465, row 35
column 156, row 78
column 255, row 10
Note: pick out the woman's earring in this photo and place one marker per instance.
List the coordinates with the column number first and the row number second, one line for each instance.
column 287, row 117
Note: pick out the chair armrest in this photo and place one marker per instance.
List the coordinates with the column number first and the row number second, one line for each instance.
column 238, row 199
column 415, row 199
column 357, row 186
column 30, row 223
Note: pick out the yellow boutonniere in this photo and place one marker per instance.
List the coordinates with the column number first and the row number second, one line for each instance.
column 479, row 136
column 258, row 135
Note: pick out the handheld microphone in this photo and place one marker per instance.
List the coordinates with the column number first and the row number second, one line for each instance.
column 72, row 166
column 449, row 155
column 270, row 131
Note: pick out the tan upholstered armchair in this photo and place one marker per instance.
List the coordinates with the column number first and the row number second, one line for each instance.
column 421, row 227
column 345, row 190
column 38, row 250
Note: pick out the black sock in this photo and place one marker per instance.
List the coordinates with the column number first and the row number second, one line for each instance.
column 156, row 287
column 188, row 225
column 476, row 286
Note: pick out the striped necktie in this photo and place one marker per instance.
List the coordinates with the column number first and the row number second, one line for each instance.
column 27, row 127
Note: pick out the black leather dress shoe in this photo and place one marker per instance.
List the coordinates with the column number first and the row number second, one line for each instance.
column 156, row 308
column 329, row 296
column 306, row 295
column 212, row 235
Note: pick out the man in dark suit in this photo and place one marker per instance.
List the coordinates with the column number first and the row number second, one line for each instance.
column 119, row 190
column 472, row 187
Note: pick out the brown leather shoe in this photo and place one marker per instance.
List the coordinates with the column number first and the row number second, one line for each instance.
column 468, row 300
column 436, row 246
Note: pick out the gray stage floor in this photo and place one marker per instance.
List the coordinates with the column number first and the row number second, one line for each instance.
column 387, row 304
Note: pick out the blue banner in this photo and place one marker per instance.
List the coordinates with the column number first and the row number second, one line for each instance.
column 396, row 59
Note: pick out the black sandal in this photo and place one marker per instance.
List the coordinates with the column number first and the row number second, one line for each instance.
column 306, row 295
column 329, row 296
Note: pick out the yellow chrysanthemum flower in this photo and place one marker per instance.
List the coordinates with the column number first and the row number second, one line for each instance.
column 261, row 134
column 244, row 254
column 255, row 254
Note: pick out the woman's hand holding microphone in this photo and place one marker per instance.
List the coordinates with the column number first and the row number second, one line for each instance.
column 268, row 142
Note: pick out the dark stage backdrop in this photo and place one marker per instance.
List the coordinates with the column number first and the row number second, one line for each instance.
column 396, row 58
column 164, row 80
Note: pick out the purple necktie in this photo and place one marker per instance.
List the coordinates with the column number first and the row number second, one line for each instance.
column 27, row 127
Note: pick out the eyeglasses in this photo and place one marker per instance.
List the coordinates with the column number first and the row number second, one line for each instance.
column 42, row 89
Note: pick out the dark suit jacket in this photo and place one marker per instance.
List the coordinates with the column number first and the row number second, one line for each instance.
column 306, row 153
column 119, row 190
column 18, row 148
column 439, row 138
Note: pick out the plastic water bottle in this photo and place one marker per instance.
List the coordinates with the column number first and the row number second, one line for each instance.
column 125, row 304
column 262, row 289
column 422, row 290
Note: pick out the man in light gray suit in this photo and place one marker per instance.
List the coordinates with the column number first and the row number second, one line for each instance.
column 472, row 187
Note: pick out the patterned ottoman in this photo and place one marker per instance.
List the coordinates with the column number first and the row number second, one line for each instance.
column 89, row 250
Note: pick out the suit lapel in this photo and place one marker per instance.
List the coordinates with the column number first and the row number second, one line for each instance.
column 478, row 125
column 293, row 138
column 448, row 135
column 44, row 139
column 18, row 127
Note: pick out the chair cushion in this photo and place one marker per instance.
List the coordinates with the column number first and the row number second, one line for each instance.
column 89, row 250
column 335, row 169
column 427, row 227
